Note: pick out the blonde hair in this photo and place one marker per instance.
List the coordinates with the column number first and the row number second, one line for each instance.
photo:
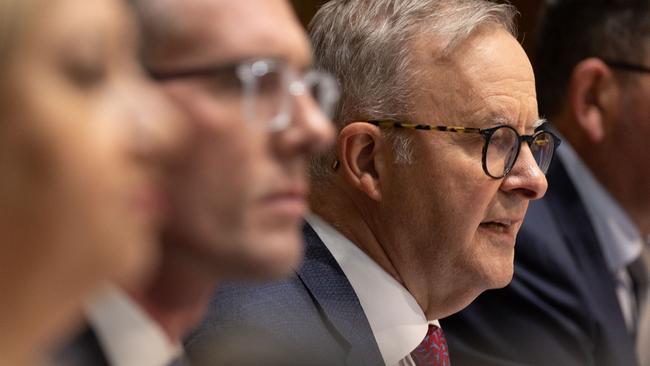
column 13, row 18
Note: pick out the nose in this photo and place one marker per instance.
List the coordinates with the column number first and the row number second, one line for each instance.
column 526, row 178
column 310, row 130
column 159, row 131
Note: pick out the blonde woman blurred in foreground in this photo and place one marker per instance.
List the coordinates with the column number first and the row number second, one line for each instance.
column 82, row 138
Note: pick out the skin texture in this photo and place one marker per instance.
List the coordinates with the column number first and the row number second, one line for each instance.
column 430, row 224
column 238, row 200
column 80, row 158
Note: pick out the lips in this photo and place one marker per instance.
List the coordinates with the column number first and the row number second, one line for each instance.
column 290, row 202
column 505, row 229
column 497, row 226
column 149, row 201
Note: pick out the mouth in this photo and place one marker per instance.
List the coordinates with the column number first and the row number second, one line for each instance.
column 503, row 231
column 150, row 202
column 290, row 203
column 498, row 226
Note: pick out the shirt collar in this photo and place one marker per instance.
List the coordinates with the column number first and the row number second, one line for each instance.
column 128, row 336
column 397, row 321
column 619, row 238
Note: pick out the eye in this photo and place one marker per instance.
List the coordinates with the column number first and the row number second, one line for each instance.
column 503, row 139
column 86, row 75
column 224, row 83
column 269, row 84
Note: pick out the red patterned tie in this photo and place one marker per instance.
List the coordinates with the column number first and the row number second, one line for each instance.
column 433, row 349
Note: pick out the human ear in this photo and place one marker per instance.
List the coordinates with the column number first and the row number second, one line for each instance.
column 360, row 159
column 593, row 94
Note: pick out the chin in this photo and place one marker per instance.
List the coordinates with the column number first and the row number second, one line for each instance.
column 499, row 276
column 497, row 267
column 139, row 255
column 276, row 255
column 502, row 281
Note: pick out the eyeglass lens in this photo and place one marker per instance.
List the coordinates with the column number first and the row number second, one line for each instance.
column 503, row 149
column 269, row 96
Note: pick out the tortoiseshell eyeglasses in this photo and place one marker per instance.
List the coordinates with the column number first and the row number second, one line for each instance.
column 502, row 144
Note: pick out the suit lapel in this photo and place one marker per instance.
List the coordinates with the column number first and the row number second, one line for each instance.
column 338, row 302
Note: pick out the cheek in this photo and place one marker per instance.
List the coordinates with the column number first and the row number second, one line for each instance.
column 215, row 186
column 463, row 201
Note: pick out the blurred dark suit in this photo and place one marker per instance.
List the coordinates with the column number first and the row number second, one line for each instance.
column 83, row 350
column 561, row 307
column 643, row 333
column 313, row 318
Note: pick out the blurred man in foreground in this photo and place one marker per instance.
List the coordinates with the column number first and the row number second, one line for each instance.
column 240, row 72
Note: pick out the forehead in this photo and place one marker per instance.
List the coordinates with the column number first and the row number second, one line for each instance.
column 219, row 31
column 97, row 14
column 487, row 77
column 67, row 23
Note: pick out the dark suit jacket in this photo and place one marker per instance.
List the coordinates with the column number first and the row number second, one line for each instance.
column 313, row 318
column 561, row 307
column 83, row 350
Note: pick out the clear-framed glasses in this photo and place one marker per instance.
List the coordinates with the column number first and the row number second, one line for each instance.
column 267, row 88
column 502, row 144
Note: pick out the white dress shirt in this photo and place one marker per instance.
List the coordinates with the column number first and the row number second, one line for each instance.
column 620, row 240
column 128, row 336
column 397, row 321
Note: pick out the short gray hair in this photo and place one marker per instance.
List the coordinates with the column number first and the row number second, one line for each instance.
column 367, row 46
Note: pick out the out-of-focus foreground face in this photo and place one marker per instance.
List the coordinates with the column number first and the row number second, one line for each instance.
column 455, row 227
column 240, row 198
column 83, row 135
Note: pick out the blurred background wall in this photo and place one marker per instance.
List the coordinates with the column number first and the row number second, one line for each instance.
column 526, row 21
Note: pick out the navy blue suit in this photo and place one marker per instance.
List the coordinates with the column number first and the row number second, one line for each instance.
column 83, row 350
column 561, row 307
column 312, row 318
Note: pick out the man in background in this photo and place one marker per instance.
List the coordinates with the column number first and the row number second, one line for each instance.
column 417, row 207
column 579, row 286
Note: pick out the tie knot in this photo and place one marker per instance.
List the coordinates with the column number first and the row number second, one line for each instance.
column 433, row 349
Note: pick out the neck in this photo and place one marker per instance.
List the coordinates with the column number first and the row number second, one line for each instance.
column 178, row 293
column 368, row 225
column 614, row 172
column 353, row 216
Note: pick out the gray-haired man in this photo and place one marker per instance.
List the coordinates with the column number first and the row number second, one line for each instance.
column 417, row 208
column 580, row 283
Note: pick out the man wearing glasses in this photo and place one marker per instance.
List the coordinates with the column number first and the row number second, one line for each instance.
column 439, row 150
column 579, row 293
column 240, row 70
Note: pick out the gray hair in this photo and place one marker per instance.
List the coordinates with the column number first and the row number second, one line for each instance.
column 367, row 46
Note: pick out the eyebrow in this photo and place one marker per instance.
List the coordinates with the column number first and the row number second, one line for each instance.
column 539, row 123
column 506, row 121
